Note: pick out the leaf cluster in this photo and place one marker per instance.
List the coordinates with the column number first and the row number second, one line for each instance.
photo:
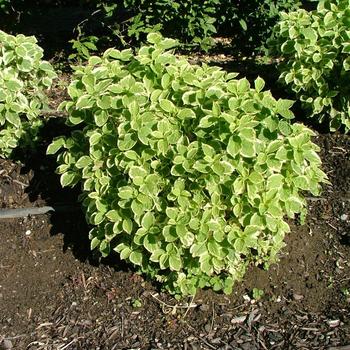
column 187, row 172
column 315, row 47
column 24, row 77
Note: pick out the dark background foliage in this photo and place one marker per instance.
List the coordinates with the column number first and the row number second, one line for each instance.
column 126, row 23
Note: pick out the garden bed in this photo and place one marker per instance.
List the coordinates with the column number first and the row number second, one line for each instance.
column 56, row 294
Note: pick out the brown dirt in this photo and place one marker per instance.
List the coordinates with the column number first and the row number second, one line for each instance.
column 55, row 294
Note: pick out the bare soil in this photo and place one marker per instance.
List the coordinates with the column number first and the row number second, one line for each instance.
column 56, row 294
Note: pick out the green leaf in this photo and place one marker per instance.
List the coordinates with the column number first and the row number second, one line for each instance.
column 68, row 178
column 148, row 220
column 189, row 98
column 218, row 168
column 101, row 118
column 137, row 207
column 312, row 157
column 207, row 122
column 82, row 162
column 134, row 109
column 181, row 230
column 165, row 81
column 175, row 263
column 215, row 249
column 167, row 106
column 208, row 150
column 104, row 102
column 302, row 182
column 26, row 65
column 127, row 142
column 13, row 85
column 205, row 264
column 137, row 174
column 199, row 249
column 274, row 146
column 255, row 177
column 294, row 204
column 259, row 84
column 131, row 155
column 55, row 145
column 172, row 213
column 309, row 34
column 113, row 216
column 243, row 86
column 136, row 257
column 234, row 146
column 248, row 149
column 239, row 185
column 243, row 24
column 125, row 253
column 154, row 38
column 150, row 242
column 214, row 92
column 127, row 226
column 240, row 245
column 283, row 108
column 95, row 138
column 186, row 113
column 95, row 242
column 284, row 127
column 219, row 236
column 275, row 181
column 84, row 102
column 76, row 117
column 169, row 233
column 247, row 134
column 155, row 257
column 187, row 239
column 126, row 192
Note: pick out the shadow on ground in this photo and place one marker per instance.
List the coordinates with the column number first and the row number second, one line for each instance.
column 45, row 190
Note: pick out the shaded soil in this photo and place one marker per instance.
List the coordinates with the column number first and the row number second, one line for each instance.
column 56, row 294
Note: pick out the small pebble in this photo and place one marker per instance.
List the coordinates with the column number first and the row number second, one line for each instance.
column 344, row 217
column 246, row 297
column 216, row 341
column 333, row 323
column 28, row 232
column 204, row 307
column 238, row 320
column 7, row 344
column 298, row 297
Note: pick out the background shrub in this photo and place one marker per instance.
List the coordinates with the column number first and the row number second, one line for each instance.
column 194, row 23
column 250, row 23
column 4, row 6
column 191, row 21
column 186, row 171
column 24, row 77
column 315, row 48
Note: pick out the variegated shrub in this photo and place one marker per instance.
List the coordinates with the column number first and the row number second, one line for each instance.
column 187, row 172
column 315, row 51
column 24, row 77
